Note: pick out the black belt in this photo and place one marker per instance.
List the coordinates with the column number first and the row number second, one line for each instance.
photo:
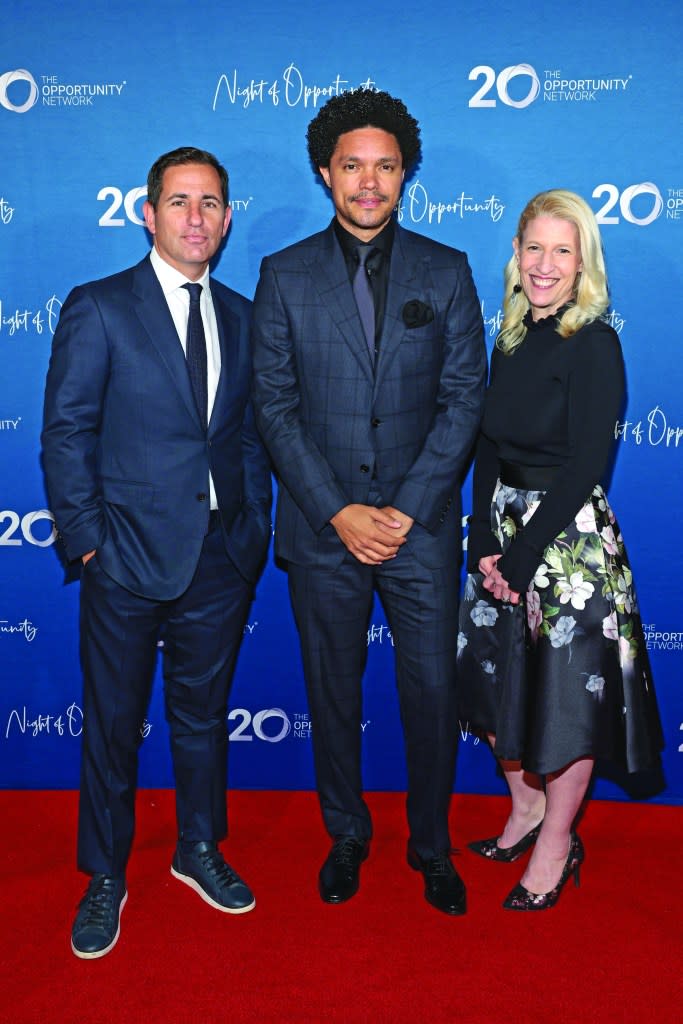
column 528, row 478
column 214, row 520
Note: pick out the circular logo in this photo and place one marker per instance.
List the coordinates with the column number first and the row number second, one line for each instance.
column 513, row 72
column 20, row 75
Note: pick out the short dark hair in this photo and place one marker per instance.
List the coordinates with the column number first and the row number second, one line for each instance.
column 183, row 155
column 362, row 108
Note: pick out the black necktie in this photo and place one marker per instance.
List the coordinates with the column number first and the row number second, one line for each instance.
column 195, row 353
column 363, row 296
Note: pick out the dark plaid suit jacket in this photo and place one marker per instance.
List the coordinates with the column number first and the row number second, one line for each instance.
column 337, row 427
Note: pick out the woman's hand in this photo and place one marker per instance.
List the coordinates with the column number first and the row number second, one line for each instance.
column 487, row 564
column 494, row 582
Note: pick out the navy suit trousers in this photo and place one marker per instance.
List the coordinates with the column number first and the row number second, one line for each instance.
column 201, row 632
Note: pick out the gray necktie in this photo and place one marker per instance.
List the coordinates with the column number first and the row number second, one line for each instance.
column 363, row 295
column 195, row 353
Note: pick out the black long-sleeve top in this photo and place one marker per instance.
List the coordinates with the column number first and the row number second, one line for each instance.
column 552, row 402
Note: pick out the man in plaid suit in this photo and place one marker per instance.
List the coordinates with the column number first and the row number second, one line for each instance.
column 369, row 376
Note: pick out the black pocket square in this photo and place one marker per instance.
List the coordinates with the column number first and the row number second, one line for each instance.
column 417, row 314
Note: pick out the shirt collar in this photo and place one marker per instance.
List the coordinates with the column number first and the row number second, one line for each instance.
column 349, row 243
column 169, row 278
column 552, row 319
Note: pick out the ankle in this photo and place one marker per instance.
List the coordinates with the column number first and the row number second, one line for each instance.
column 527, row 814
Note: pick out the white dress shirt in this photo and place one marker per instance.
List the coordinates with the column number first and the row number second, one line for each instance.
column 178, row 300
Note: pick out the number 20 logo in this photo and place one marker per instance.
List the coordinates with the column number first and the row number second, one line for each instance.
column 7, row 538
column 501, row 82
column 646, row 188
column 257, row 722
column 108, row 220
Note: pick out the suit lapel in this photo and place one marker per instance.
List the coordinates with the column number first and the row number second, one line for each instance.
column 331, row 279
column 154, row 315
column 228, row 336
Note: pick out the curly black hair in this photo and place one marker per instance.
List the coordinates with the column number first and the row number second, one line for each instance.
column 362, row 108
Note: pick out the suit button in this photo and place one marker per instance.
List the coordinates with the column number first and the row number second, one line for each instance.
column 374, row 422
column 201, row 496
column 364, row 468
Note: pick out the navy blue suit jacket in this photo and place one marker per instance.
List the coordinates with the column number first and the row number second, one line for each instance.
column 337, row 427
column 126, row 459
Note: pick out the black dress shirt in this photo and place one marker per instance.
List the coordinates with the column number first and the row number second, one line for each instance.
column 378, row 266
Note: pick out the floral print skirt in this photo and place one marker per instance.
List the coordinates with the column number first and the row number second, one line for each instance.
column 565, row 674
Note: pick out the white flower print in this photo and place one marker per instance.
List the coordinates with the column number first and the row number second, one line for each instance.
column 533, row 498
column 541, row 577
column 534, row 615
column 610, row 628
column 483, row 614
column 585, row 520
column 596, row 685
column 503, row 495
column 625, row 652
column 562, row 633
column 609, row 540
column 575, row 589
column 623, row 598
column 470, row 588
column 580, row 610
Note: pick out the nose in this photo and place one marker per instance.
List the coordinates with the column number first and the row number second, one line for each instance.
column 194, row 213
column 368, row 179
column 545, row 261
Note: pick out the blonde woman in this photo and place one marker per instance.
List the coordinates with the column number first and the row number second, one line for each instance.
column 552, row 662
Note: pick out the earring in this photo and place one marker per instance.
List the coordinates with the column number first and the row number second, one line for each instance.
column 518, row 287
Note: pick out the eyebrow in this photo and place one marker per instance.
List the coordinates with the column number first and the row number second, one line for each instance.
column 186, row 195
column 536, row 241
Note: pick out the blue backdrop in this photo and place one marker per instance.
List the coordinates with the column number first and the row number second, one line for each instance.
column 510, row 101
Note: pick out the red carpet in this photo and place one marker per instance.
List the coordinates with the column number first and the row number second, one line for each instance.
column 610, row 951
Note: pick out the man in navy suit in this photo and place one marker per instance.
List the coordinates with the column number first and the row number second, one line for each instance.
column 160, row 486
column 369, row 376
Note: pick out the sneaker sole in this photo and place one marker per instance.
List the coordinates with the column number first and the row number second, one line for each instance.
column 82, row 955
column 193, row 884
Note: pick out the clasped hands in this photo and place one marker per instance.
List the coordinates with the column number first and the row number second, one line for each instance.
column 372, row 535
column 495, row 582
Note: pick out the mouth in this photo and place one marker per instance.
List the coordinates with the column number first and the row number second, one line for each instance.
column 369, row 202
column 195, row 239
column 543, row 283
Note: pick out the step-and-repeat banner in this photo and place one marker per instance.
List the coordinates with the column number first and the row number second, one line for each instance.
column 511, row 99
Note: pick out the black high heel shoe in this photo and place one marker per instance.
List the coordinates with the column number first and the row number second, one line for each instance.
column 490, row 849
column 521, row 899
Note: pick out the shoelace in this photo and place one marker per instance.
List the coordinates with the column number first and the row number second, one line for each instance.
column 99, row 903
column 346, row 852
column 440, row 865
column 214, row 864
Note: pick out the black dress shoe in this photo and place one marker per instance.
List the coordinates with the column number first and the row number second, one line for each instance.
column 338, row 879
column 444, row 888
column 202, row 867
column 96, row 929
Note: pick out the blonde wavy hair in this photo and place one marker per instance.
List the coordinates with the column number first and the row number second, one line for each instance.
column 590, row 299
